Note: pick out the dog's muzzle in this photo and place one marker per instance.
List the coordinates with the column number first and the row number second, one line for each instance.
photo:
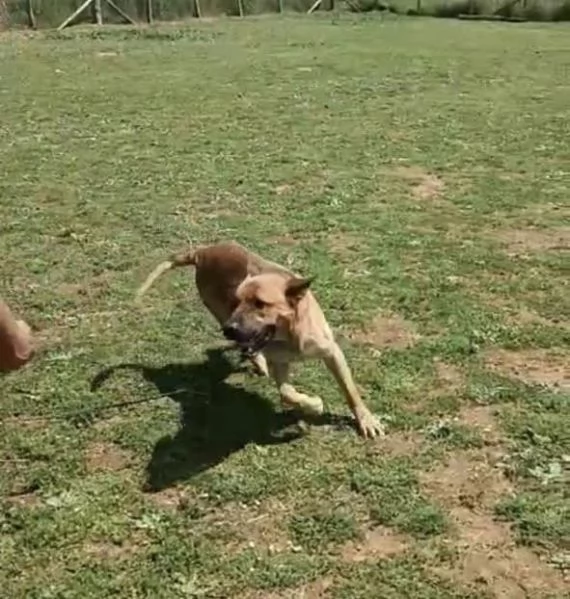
column 249, row 342
column 231, row 332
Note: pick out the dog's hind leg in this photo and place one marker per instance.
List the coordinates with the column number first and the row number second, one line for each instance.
column 290, row 397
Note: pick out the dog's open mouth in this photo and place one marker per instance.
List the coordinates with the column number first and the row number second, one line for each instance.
column 258, row 341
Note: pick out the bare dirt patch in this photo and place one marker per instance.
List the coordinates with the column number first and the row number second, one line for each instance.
column 283, row 189
column 397, row 444
column 89, row 289
column 378, row 543
column 287, row 240
column 28, row 423
column 430, row 187
column 101, row 456
column 520, row 242
column 527, row 317
column 344, row 244
column 510, row 573
column 481, row 418
column 263, row 527
column 467, row 479
column 425, row 185
column 469, row 485
column 532, row 366
column 105, row 551
column 105, row 424
column 24, row 500
column 449, row 378
column 387, row 332
column 318, row 589
column 172, row 498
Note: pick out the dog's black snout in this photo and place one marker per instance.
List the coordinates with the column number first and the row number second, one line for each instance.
column 231, row 331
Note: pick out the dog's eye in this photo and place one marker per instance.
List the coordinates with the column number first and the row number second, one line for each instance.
column 259, row 304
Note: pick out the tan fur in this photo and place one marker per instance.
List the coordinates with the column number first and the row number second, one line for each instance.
column 219, row 269
column 285, row 302
column 238, row 285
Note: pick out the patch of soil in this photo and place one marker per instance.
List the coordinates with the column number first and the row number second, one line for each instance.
column 344, row 244
column 467, row 479
column 106, row 551
column 519, row 242
column 450, row 379
column 481, row 418
column 172, row 498
column 430, row 187
column 378, row 543
column 24, row 500
column 283, row 189
column 318, row 589
column 425, row 185
column 262, row 527
column 90, row 289
column 512, row 573
column 532, row 366
column 397, row 444
column 284, row 240
column 108, row 423
column 101, row 456
column 29, row 423
column 469, row 486
column 387, row 332
column 527, row 317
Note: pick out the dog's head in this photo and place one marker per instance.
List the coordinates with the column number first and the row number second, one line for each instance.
column 266, row 308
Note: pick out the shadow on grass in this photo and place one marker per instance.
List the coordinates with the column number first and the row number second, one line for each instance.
column 216, row 417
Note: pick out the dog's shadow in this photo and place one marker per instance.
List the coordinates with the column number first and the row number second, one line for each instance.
column 216, row 417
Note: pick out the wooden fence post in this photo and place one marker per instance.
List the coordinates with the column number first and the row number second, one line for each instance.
column 31, row 16
column 120, row 12
column 97, row 14
column 4, row 16
column 314, row 6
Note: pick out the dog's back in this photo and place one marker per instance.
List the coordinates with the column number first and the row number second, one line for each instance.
column 220, row 268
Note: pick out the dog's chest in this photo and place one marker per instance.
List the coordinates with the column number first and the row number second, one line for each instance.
column 282, row 350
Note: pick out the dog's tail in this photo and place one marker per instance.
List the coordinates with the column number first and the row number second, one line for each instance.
column 184, row 258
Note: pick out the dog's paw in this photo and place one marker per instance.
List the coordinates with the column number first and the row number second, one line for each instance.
column 311, row 405
column 369, row 425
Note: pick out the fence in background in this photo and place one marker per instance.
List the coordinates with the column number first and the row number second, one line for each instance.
column 53, row 13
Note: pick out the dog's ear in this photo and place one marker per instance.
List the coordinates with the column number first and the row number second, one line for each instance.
column 296, row 288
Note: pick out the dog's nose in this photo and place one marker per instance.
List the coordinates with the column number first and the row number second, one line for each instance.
column 231, row 331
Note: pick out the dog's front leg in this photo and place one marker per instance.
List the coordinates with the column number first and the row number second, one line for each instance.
column 260, row 363
column 290, row 397
column 368, row 424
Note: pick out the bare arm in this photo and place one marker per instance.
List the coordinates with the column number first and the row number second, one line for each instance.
column 16, row 346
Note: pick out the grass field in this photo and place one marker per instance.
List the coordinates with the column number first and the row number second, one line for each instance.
column 420, row 169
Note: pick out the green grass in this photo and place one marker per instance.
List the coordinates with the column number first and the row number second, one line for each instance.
column 419, row 168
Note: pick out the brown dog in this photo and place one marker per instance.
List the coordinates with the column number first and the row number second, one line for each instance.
column 219, row 270
column 273, row 317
